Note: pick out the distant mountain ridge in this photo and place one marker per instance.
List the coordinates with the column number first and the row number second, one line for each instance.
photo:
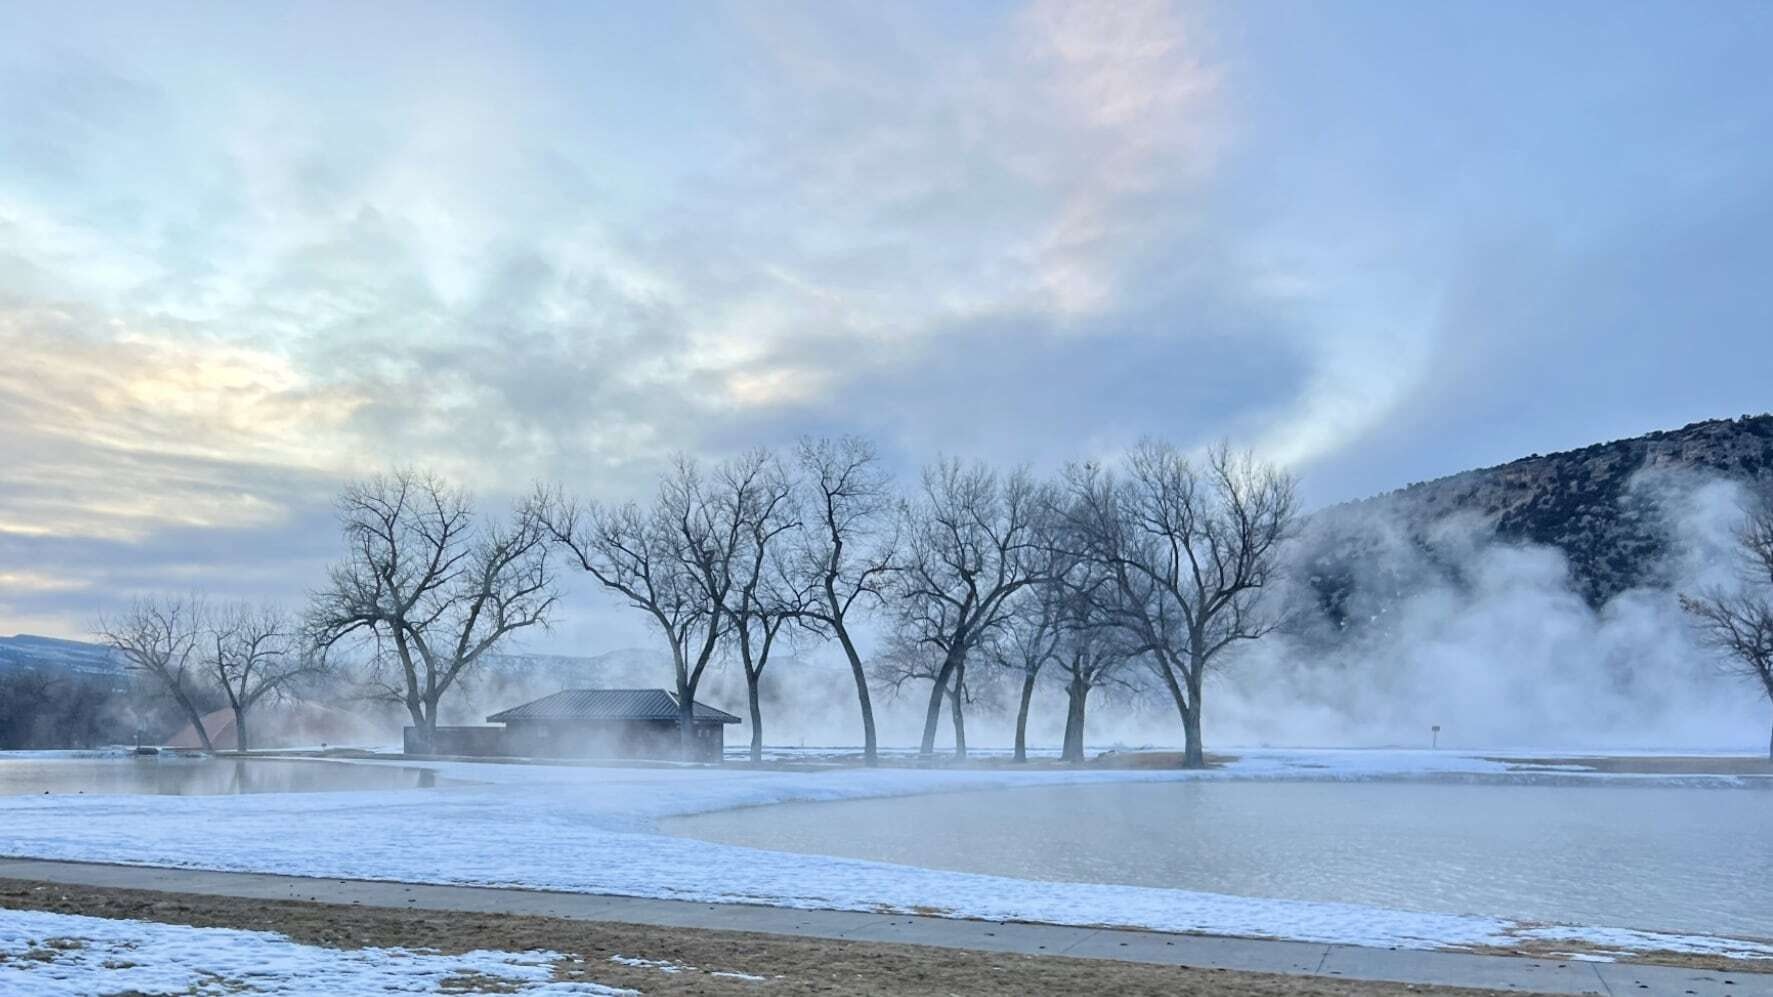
column 1584, row 502
column 28, row 651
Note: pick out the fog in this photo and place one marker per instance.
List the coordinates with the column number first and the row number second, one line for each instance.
column 1490, row 641
column 1447, row 625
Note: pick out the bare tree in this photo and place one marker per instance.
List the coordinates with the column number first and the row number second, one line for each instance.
column 1060, row 626
column 1026, row 644
column 845, row 550
column 974, row 539
column 1190, row 550
column 431, row 585
column 903, row 663
column 1091, row 653
column 767, row 594
column 677, row 561
column 254, row 653
column 159, row 638
column 633, row 553
column 1738, row 622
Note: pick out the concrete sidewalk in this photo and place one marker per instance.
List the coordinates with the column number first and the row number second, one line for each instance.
column 1255, row 955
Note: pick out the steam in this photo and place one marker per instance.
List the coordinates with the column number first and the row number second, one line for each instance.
column 1445, row 625
column 1491, row 641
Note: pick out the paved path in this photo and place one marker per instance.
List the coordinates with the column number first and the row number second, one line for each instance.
column 1348, row 961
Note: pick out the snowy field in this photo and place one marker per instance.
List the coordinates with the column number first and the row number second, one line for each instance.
column 594, row 830
column 65, row 955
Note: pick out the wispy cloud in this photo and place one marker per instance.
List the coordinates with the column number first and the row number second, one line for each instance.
column 266, row 253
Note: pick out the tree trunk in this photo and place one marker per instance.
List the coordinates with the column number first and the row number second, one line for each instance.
column 870, row 754
column 1190, row 727
column 686, row 722
column 196, row 718
column 934, row 715
column 1076, row 694
column 415, row 701
column 428, row 726
column 1022, row 717
column 420, row 737
column 1193, row 757
column 241, row 741
column 960, row 717
column 752, row 680
column 1767, row 679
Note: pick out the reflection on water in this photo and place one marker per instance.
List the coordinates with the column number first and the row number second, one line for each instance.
column 1643, row 857
column 173, row 776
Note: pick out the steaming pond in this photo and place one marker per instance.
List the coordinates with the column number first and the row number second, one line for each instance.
column 1678, row 859
column 184, row 776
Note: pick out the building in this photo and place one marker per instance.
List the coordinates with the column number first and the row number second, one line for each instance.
column 589, row 723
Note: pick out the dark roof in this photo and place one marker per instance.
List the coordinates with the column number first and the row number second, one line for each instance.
column 608, row 704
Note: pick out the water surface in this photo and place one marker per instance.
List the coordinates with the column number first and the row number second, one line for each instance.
column 1677, row 859
column 175, row 776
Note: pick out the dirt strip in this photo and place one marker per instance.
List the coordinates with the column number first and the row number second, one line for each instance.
column 787, row 965
column 1640, row 764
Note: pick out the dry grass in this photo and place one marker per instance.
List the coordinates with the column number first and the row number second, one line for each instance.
column 1547, row 950
column 1646, row 764
column 789, row 966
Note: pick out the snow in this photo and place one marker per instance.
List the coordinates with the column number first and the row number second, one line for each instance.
column 60, row 754
column 594, row 830
column 63, row 954
column 672, row 968
column 659, row 964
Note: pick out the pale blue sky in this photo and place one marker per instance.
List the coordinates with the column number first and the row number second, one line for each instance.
column 247, row 251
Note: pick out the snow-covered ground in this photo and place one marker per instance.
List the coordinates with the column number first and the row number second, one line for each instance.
column 595, row 830
column 63, row 954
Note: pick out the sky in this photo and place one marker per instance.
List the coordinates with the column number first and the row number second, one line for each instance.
column 250, row 252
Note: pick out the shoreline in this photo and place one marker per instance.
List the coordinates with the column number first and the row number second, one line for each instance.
column 614, row 813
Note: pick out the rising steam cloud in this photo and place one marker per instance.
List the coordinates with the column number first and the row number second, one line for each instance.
column 1491, row 641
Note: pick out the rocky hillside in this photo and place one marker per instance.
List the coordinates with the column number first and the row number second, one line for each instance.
column 1590, row 503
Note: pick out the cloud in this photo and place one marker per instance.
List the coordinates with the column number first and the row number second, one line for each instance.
column 265, row 254
column 429, row 270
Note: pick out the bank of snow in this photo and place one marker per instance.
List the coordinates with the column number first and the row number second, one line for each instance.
column 593, row 830
column 65, row 954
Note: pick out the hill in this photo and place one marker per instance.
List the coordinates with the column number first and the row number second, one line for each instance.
column 27, row 651
column 1591, row 503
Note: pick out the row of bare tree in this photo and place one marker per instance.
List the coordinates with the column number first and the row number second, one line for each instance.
column 1157, row 564
column 196, row 652
column 1157, row 561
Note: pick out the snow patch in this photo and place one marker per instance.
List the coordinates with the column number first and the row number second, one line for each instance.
column 666, row 966
column 67, row 955
column 661, row 965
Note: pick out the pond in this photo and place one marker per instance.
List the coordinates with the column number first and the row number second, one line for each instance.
column 187, row 776
column 1678, row 859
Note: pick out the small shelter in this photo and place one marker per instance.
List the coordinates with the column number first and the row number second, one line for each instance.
column 593, row 723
